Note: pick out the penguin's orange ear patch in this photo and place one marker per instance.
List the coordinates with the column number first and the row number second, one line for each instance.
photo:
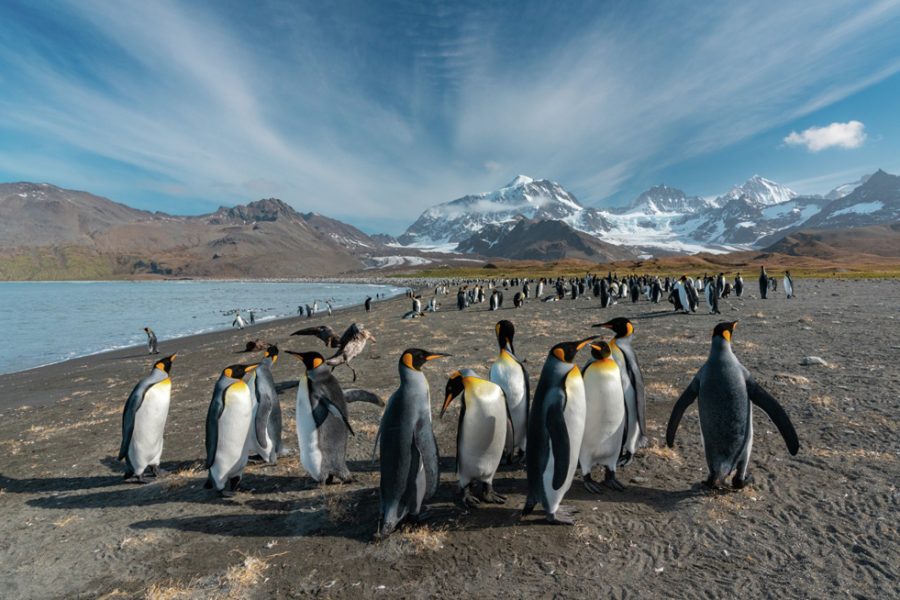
column 630, row 328
column 227, row 372
column 317, row 361
column 558, row 353
column 407, row 359
column 727, row 335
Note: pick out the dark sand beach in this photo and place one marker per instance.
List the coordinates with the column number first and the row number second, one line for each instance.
column 822, row 524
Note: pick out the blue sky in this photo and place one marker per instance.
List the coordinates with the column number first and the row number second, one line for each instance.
column 371, row 111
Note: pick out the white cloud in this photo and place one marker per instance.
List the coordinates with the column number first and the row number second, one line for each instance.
column 851, row 134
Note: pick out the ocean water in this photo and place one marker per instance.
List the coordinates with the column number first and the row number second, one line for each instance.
column 48, row 322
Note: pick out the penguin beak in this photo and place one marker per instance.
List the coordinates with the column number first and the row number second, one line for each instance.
column 250, row 368
column 436, row 355
column 446, row 405
column 585, row 342
column 604, row 325
column 176, row 354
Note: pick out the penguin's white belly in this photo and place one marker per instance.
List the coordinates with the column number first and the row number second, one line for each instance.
column 511, row 379
column 420, row 486
column 233, row 439
column 604, row 419
column 308, row 434
column 574, row 416
column 481, row 444
column 683, row 298
column 149, row 425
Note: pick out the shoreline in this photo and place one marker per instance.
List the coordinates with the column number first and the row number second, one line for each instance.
column 11, row 383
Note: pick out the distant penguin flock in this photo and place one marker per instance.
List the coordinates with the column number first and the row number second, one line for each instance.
column 576, row 418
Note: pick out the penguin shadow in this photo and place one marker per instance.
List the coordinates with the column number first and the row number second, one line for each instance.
column 662, row 500
column 38, row 485
column 657, row 315
column 352, row 515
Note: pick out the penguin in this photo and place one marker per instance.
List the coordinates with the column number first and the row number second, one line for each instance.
column 228, row 424
column 266, row 435
column 480, row 435
column 693, row 298
column 632, row 384
column 788, row 285
column 555, row 432
column 144, row 421
column 655, row 291
column 738, row 285
column 461, row 299
column 605, row 299
column 763, row 283
column 510, row 374
column 417, row 304
column 681, row 288
column 726, row 393
column 322, row 423
column 519, row 300
column 409, row 453
column 606, row 421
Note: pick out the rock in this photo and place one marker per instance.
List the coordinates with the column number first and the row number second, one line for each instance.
column 638, row 479
column 813, row 360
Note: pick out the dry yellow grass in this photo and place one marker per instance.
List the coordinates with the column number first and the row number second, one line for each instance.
column 663, row 390
column 175, row 591
column 247, row 573
column 823, row 400
column 183, row 476
column 63, row 522
column 676, row 358
column 854, row 453
column 43, row 432
column 411, row 541
column 663, row 453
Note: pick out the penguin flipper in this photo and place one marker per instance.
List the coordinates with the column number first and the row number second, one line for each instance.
column 765, row 401
column 428, row 450
column 559, row 444
column 637, row 382
column 128, row 415
column 356, row 395
column 687, row 398
column 216, row 407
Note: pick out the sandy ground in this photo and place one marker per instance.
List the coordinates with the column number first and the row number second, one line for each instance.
column 822, row 524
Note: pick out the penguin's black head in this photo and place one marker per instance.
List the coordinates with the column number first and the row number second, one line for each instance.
column 238, row 371
column 724, row 330
column 272, row 352
column 311, row 360
column 454, row 388
column 566, row 351
column 506, row 331
column 600, row 350
column 414, row 358
column 621, row 326
column 165, row 364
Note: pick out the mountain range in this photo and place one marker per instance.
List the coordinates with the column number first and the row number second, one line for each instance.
column 48, row 232
column 662, row 220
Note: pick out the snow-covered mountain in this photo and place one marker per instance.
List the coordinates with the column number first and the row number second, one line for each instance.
column 759, row 191
column 661, row 220
column 844, row 189
column 455, row 221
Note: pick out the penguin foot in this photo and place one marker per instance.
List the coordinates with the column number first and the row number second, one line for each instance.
column 490, row 496
column 233, row 484
column 526, row 510
column 610, row 481
column 591, row 485
column 625, row 459
column 255, row 458
column 137, row 479
column 712, row 483
column 643, row 441
column 469, row 499
column 738, row 483
column 153, row 471
column 418, row 518
column 562, row 516
column 226, row 493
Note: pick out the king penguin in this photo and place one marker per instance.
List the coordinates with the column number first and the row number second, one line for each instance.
column 322, row 422
column 409, row 453
column 266, row 435
column 726, row 393
column 480, row 435
column 228, row 423
column 144, row 421
column 632, row 384
column 555, row 432
column 606, row 419
column 738, row 285
column 511, row 376
column 763, row 283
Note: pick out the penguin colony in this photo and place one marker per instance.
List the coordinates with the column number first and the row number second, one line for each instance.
column 583, row 418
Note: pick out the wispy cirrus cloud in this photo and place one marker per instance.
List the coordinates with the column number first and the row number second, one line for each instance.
column 372, row 111
column 847, row 135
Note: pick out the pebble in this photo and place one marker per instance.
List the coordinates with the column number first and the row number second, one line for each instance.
column 638, row 480
column 812, row 360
